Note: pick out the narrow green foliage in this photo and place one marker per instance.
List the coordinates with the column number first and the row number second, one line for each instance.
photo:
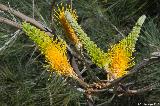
column 150, row 38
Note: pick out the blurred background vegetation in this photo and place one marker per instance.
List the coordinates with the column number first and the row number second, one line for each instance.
column 24, row 80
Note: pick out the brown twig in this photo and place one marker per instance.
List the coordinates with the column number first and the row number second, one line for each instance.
column 144, row 63
column 22, row 16
column 94, row 89
column 81, row 82
column 75, row 67
column 89, row 99
column 9, row 22
column 135, row 69
column 120, row 91
column 139, row 91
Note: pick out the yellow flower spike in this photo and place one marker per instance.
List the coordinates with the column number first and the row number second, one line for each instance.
column 54, row 51
column 120, row 60
column 121, row 53
column 59, row 15
column 55, row 55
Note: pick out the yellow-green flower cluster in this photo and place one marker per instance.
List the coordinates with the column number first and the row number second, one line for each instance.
column 59, row 15
column 54, row 51
column 121, row 53
column 95, row 53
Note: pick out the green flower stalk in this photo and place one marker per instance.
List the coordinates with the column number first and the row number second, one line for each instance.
column 96, row 54
column 121, row 54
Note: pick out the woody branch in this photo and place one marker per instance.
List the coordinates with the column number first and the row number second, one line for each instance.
column 107, row 85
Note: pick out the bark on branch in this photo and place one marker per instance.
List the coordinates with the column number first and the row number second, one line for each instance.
column 9, row 22
column 135, row 69
column 22, row 16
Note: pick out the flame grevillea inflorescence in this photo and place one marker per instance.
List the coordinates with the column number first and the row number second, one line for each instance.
column 54, row 51
column 96, row 54
column 119, row 58
column 121, row 53
column 59, row 15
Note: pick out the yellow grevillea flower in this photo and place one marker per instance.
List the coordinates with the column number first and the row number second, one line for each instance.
column 54, row 51
column 121, row 53
column 120, row 60
column 59, row 15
